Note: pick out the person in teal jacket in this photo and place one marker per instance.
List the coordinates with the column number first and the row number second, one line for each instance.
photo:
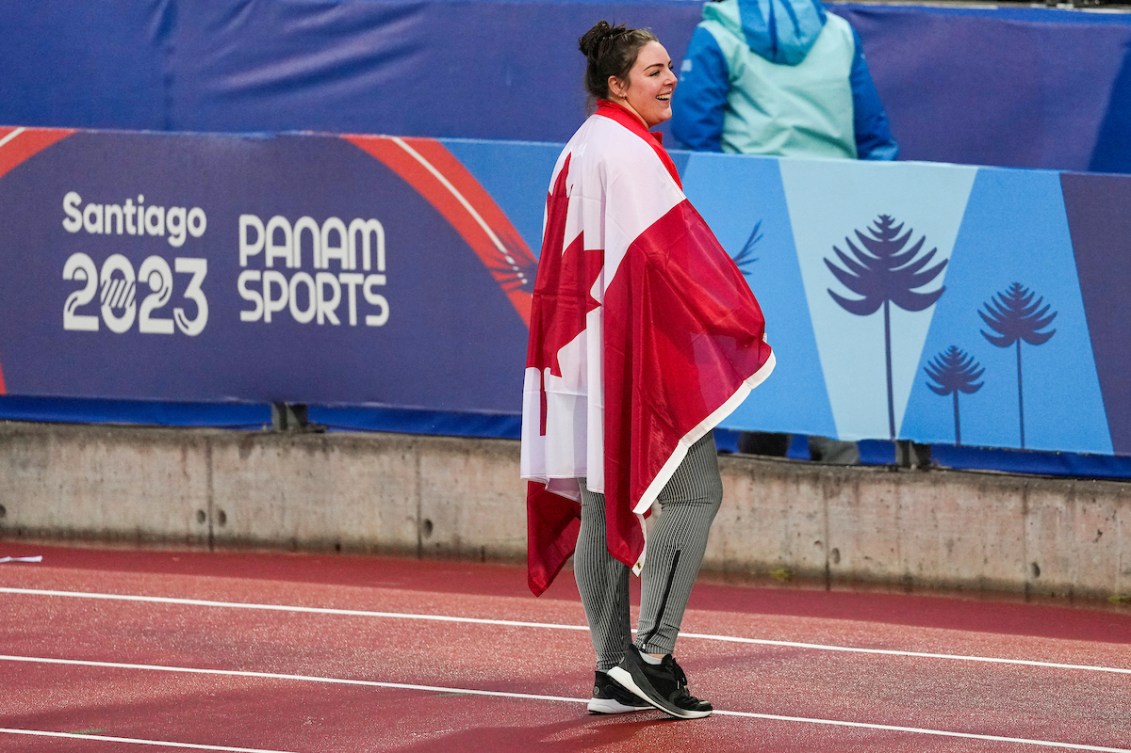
column 783, row 78
column 779, row 77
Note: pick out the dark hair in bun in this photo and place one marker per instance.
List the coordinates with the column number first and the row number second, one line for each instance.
column 610, row 51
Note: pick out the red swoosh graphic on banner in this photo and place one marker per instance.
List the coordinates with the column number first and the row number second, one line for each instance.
column 435, row 173
column 18, row 145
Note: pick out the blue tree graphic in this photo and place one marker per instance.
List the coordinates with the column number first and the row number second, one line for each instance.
column 1015, row 317
column 745, row 258
column 885, row 272
column 954, row 371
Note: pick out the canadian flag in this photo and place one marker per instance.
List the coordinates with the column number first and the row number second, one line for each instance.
column 643, row 337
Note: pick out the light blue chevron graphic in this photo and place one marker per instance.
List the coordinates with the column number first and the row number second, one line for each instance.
column 1015, row 231
column 735, row 195
column 829, row 203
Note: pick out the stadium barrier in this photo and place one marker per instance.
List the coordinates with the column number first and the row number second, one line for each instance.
column 395, row 274
column 442, row 497
column 942, row 304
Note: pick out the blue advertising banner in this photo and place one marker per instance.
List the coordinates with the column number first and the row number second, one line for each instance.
column 939, row 303
column 945, row 304
column 314, row 269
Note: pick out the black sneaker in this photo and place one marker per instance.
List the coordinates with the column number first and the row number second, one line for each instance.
column 662, row 685
column 610, row 698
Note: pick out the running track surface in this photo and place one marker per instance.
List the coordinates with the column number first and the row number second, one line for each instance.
column 123, row 650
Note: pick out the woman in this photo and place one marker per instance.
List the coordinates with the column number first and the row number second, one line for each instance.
column 643, row 336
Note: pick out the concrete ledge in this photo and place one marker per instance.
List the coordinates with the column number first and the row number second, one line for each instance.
column 445, row 497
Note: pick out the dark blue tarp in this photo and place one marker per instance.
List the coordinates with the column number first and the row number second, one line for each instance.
column 99, row 64
column 1010, row 87
column 1013, row 87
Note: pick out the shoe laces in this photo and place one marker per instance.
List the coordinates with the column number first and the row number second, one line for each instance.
column 677, row 672
column 680, row 680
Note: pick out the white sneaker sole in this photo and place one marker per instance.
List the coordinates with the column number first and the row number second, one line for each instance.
column 613, row 706
column 625, row 679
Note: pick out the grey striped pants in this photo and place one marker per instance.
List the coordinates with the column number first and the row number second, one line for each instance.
column 676, row 543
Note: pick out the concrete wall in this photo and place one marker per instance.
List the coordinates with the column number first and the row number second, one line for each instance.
column 443, row 497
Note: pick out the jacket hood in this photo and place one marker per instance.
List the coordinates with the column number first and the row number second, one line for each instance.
column 781, row 31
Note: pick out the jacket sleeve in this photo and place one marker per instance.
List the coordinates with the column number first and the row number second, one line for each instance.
column 700, row 98
column 870, row 121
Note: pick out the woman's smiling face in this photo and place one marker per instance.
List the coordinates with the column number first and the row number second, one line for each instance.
column 648, row 91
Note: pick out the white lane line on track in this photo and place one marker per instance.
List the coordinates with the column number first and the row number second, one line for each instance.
column 134, row 741
column 535, row 697
column 552, row 626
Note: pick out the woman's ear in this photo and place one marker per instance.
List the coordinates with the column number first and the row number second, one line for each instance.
column 616, row 87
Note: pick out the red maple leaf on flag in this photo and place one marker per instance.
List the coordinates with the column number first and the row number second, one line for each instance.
column 562, row 289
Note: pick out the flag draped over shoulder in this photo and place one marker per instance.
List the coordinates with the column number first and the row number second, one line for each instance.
column 643, row 337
